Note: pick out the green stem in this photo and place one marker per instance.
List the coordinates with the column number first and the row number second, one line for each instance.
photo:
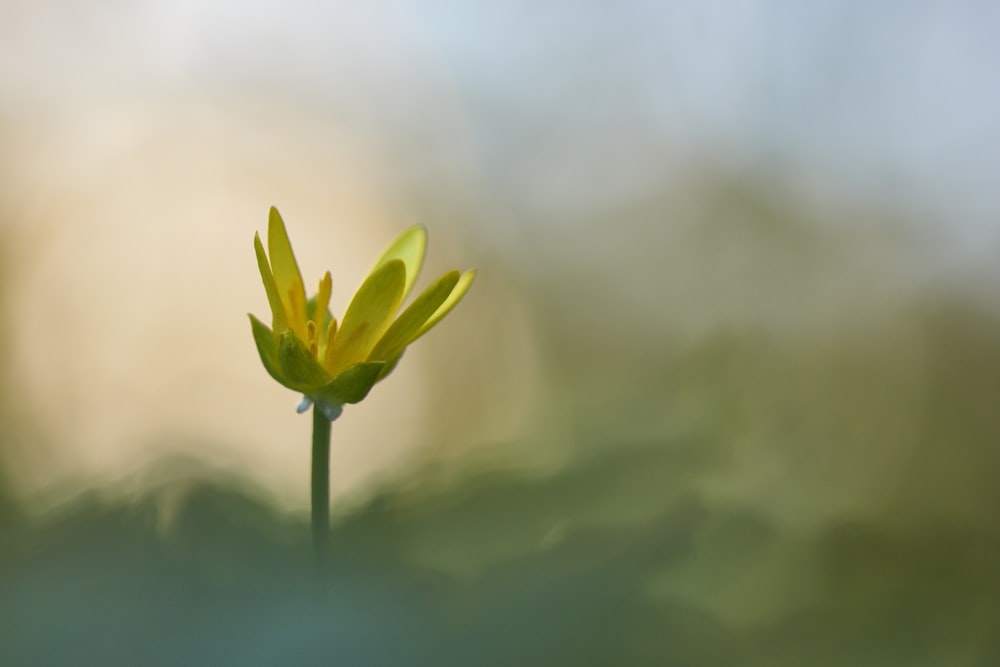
column 320, row 484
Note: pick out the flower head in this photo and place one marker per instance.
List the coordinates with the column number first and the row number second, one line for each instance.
column 331, row 364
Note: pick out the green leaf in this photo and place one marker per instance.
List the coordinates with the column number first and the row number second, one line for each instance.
column 298, row 366
column 353, row 384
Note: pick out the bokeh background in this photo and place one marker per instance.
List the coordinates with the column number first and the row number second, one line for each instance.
column 726, row 390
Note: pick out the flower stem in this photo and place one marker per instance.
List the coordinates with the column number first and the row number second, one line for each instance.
column 320, row 484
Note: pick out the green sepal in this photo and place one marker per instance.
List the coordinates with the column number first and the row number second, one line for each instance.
column 352, row 385
column 299, row 367
column 267, row 348
column 390, row 365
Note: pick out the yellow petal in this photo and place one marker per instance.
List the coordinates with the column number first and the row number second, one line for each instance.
column 369, row 315
column 414, row 317
column 327, row 347
column 410, row 248
column 279, row 321
column 456, row 295
column 286, row 273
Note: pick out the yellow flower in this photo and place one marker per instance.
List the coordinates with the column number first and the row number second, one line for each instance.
column 306, row 350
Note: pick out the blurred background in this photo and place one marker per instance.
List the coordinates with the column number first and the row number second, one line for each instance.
column 726, row 390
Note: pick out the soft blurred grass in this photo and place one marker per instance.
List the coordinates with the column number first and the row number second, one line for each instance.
column 228, row 580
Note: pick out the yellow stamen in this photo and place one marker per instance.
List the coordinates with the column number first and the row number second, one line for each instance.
column 311, row 337
column 322, row 303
